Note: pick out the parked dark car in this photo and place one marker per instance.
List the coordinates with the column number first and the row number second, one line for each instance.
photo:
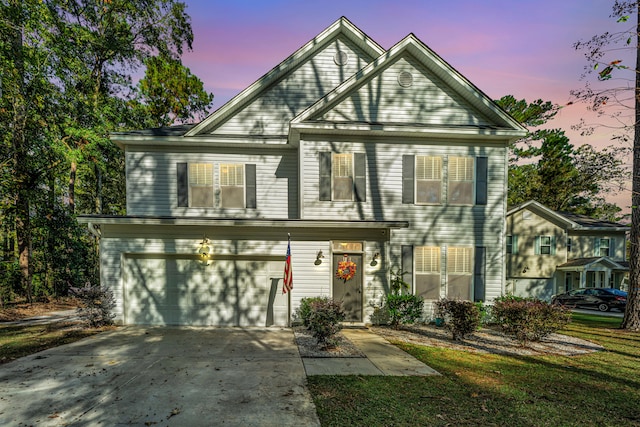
column 603, row 299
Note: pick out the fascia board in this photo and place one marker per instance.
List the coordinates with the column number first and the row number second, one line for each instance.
column 213, row 141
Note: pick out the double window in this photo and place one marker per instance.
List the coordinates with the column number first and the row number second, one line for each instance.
column 235, row 186
column 422, row 180
column 342, row 176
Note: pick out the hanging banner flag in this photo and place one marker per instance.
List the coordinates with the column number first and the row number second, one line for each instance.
column 288, row 274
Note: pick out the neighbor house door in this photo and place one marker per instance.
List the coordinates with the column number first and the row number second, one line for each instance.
column 349, row 292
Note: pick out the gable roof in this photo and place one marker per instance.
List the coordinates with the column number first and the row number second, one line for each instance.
column 570, row 220
column 341, row 27
column 578, row 264
column 503, row 125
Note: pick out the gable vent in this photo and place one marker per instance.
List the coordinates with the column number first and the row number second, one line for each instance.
column 405, row 79
column 341, row 58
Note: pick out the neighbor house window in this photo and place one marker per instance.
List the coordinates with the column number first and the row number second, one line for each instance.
column 512, row 244
column 603, row 247
column 459, row 272
column 545, row 245
column 460, row 180
column 428, row 179
column 569, row 244
column 232, row 186
column 200, row 184
column 427, row 269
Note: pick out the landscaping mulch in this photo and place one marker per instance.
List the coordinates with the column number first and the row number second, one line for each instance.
column 308, row 346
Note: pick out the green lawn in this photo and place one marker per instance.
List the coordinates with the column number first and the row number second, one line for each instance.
column 599, row 389
column 22, row 340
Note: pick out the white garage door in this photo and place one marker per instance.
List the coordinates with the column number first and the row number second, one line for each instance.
column 169, row 290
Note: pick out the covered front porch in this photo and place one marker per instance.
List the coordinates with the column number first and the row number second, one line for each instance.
column 595, row 272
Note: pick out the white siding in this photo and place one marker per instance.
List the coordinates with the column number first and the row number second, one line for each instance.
column 152, row 182
column 270, row 113
column 427, row 101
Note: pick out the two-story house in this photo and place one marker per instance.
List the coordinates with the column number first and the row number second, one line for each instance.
column 377, row 159
column 551, row 252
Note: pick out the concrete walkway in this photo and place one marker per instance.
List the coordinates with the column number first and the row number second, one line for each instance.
column 382, row 358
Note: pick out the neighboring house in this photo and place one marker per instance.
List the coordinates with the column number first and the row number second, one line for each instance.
column 552, row 252
column 388, row 159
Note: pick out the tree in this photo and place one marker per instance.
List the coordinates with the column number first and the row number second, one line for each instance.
column 546, row 167
column 598, row 52
column 170, row 93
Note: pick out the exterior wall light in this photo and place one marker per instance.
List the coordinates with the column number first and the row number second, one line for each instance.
column 204, row 249
column 376, row 258
column 319, row 257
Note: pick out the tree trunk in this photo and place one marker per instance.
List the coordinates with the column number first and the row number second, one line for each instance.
column 21, row 152
column 72, row 187
column 632, row 314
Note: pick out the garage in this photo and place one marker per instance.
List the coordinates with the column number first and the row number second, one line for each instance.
column 166, row 289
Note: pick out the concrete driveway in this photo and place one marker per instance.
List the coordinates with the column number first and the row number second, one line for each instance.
column 162, row 376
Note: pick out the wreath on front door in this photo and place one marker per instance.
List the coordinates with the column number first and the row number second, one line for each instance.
column 346, row 270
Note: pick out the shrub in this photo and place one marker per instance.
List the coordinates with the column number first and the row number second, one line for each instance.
column 96, row 304
column 528, row 319
column 324, row 320
column 304, row 310
column 461, row 317
column 403, row 309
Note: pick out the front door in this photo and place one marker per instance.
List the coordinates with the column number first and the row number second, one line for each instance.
column 349, row 292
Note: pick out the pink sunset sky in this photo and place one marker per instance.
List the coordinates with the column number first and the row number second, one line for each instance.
column 518, row 47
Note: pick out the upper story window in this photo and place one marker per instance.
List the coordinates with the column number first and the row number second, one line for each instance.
column 342, row 176
column 200, row 185
column 545, row 245
column 428, row 179
column 512, row 245
column 603, row 247
column 422, row 178
column 232, row 186
column 236, row 185
column 461, row 171
column 569, row 244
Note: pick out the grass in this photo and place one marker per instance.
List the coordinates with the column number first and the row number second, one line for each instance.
column 22, row 340
column 599, row 389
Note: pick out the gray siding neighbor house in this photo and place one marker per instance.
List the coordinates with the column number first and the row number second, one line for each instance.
column 383, row 159
column 551, row 252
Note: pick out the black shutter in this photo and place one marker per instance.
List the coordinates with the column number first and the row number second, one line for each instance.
column 481, row 180
column 407, row 265
column 360, row 177
column 183, row 185
column 324, row 183
column 250, row 186
column 479, row 268
column 408, row 179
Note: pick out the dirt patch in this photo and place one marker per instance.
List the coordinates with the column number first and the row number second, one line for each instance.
column 488, row 340
column 22, row 310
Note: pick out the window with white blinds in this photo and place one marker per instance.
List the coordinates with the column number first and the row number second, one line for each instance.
column 200, row 184
column 232, row 186
column 460, row 179
column 427, row 259
column 232, row 174
column 342, row 176
column 459, row 260
column 428, row 179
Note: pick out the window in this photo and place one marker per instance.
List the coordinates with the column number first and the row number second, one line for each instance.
column 512, row 245
column 569, row 244
column 459, row 272
column 461, row 170
column 236, row 185
column 602, row 247
column 200, row 185
column 427, row 269
column 428, row 179
column 232, row 186
column 342, row 176
column 545, row 245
